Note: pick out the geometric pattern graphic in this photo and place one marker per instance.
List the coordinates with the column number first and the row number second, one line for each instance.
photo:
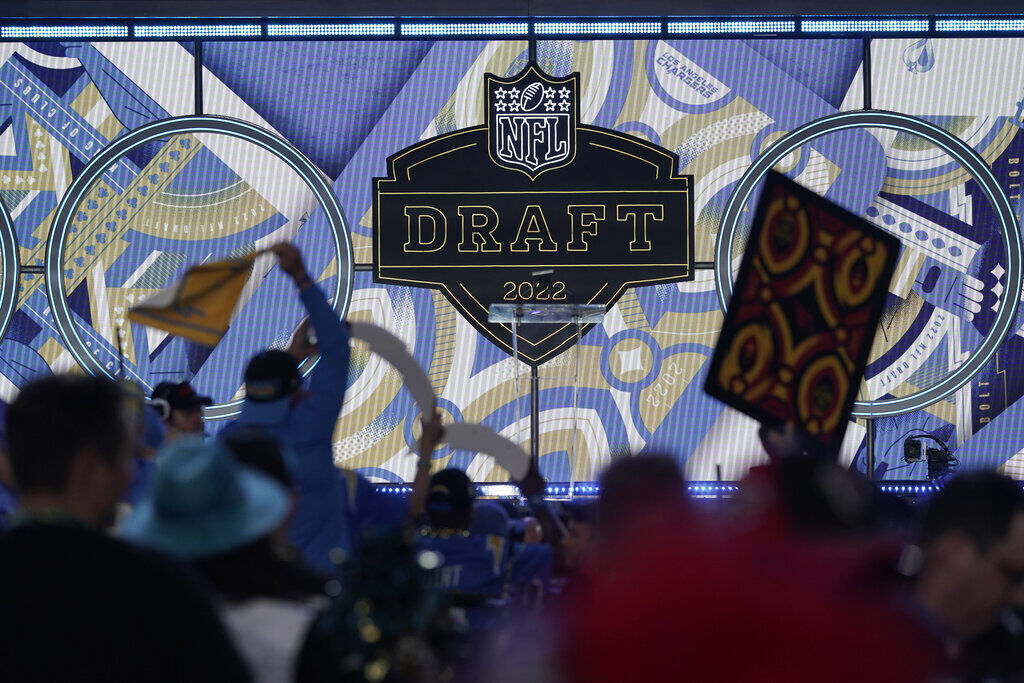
column 719, row 105
column 120, row 228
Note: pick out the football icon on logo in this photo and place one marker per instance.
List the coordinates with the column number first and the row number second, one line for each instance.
column 531, row 120
column 532, row 96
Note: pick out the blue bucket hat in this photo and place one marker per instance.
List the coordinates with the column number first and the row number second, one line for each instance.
column 205, row 503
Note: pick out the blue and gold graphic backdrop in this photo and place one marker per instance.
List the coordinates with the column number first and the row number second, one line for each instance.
column 348, row 105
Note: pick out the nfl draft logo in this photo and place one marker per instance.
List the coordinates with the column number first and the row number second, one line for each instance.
column 473, row 212
column 531, row 121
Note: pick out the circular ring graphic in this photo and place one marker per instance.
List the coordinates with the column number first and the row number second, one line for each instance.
column 967, row 157
column 643, row 382
column 260, row 137
column 11, row 271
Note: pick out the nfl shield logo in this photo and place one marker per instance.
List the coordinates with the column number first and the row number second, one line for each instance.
column 531, row 120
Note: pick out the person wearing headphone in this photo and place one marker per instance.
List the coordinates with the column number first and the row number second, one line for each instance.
column 181, row 408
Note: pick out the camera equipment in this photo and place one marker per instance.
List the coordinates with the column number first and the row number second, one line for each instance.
column 939, row 459
column 912, row 450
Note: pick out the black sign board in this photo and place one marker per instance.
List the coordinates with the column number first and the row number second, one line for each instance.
column 476, row 212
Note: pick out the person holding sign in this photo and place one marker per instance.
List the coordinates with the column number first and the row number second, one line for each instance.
column 302, row 418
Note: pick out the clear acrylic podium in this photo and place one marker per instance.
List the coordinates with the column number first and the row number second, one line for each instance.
column 516, row 314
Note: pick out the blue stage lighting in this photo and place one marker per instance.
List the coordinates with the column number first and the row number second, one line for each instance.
column 963, row 25
column 581, row 28
column 328, row 30
column 864, row 25
column 709, row 26
column 514, row 28
column 198, row 30
column 60, row 32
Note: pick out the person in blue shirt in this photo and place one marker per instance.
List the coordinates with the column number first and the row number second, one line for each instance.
column 526, row 563
column 302, row 418
column 471, row 566
column 482, row 569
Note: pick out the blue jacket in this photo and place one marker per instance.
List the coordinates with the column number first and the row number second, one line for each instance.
column 323, row 516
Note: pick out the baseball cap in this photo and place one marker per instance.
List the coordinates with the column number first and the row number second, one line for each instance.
column 271, row 375
column 180, row 396
column 450, row 490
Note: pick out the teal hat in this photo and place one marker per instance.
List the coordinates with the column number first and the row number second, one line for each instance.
column 205, row 503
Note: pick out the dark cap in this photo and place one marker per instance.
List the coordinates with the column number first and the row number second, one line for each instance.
column 450, row 491
column 271, row 375
column 180, row 396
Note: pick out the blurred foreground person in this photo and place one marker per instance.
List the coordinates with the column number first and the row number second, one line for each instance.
column 674, row 595
column 385, row 623
column 972, row 537
column 804, row 489
column 182, row 409
column 76, row 604
column 636, row 487
column 223, row 516
column 683, row 602
column 8, row 498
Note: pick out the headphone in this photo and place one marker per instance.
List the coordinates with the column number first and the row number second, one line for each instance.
column 162, row 407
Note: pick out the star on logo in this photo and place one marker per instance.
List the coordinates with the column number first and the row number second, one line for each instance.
column 513, row 93
column 513, row 106
column 549, row 93
column 549, row 106
column 564, row 93
column 563, row 105
column 500, row 106
column 500, row 93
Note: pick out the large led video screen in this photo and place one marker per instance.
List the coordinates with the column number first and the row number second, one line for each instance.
column 718, row 105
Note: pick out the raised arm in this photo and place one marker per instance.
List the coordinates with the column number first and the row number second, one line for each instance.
column 328, row 381
column 432, row 432
column 322, row 519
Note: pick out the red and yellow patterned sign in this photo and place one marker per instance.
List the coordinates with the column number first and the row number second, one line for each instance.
column 803, row 313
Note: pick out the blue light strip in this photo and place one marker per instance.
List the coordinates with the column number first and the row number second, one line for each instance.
column 864, row 25
column 978, row 25
column 583, row 28
column 198, row 30
column 698, row 489
column 711, row 26
column 327, row 30
column 395, row 490
column 910, row 489
column 515, row 28
column 59, row 32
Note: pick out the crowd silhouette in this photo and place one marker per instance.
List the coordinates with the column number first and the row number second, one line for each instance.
column 134, row 549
